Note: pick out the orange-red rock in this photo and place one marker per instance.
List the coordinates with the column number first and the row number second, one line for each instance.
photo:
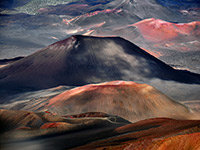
column 180, row 142
column 157, row 30
column 54, row 125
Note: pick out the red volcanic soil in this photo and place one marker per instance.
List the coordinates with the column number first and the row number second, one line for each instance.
column 156, row 30
column 126, row 99
column 99, row 133
column 54, row 125
column 183, row 142
column 177, row 142
column 151, row 134
column 91, row 14
column 154, row 53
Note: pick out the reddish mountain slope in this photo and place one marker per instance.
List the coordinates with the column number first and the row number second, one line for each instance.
column 95, row 131
column 156, row 30
column 129, row 100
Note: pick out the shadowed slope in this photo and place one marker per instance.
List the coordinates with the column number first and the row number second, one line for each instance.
column 80, row 60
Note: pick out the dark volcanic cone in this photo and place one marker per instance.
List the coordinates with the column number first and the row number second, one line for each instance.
column 80, row 60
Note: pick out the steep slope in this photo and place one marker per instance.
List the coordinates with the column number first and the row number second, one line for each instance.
column 129, row 100
column 79, row 60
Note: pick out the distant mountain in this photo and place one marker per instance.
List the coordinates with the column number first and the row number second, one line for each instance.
column 166, row 31
column 157, row 33
column 32, row 24
column 80, row 60
column 180, row 5
column 176, row 44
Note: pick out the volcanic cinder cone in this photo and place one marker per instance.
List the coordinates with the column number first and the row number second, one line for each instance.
column 128, row 100
column 81, row 60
